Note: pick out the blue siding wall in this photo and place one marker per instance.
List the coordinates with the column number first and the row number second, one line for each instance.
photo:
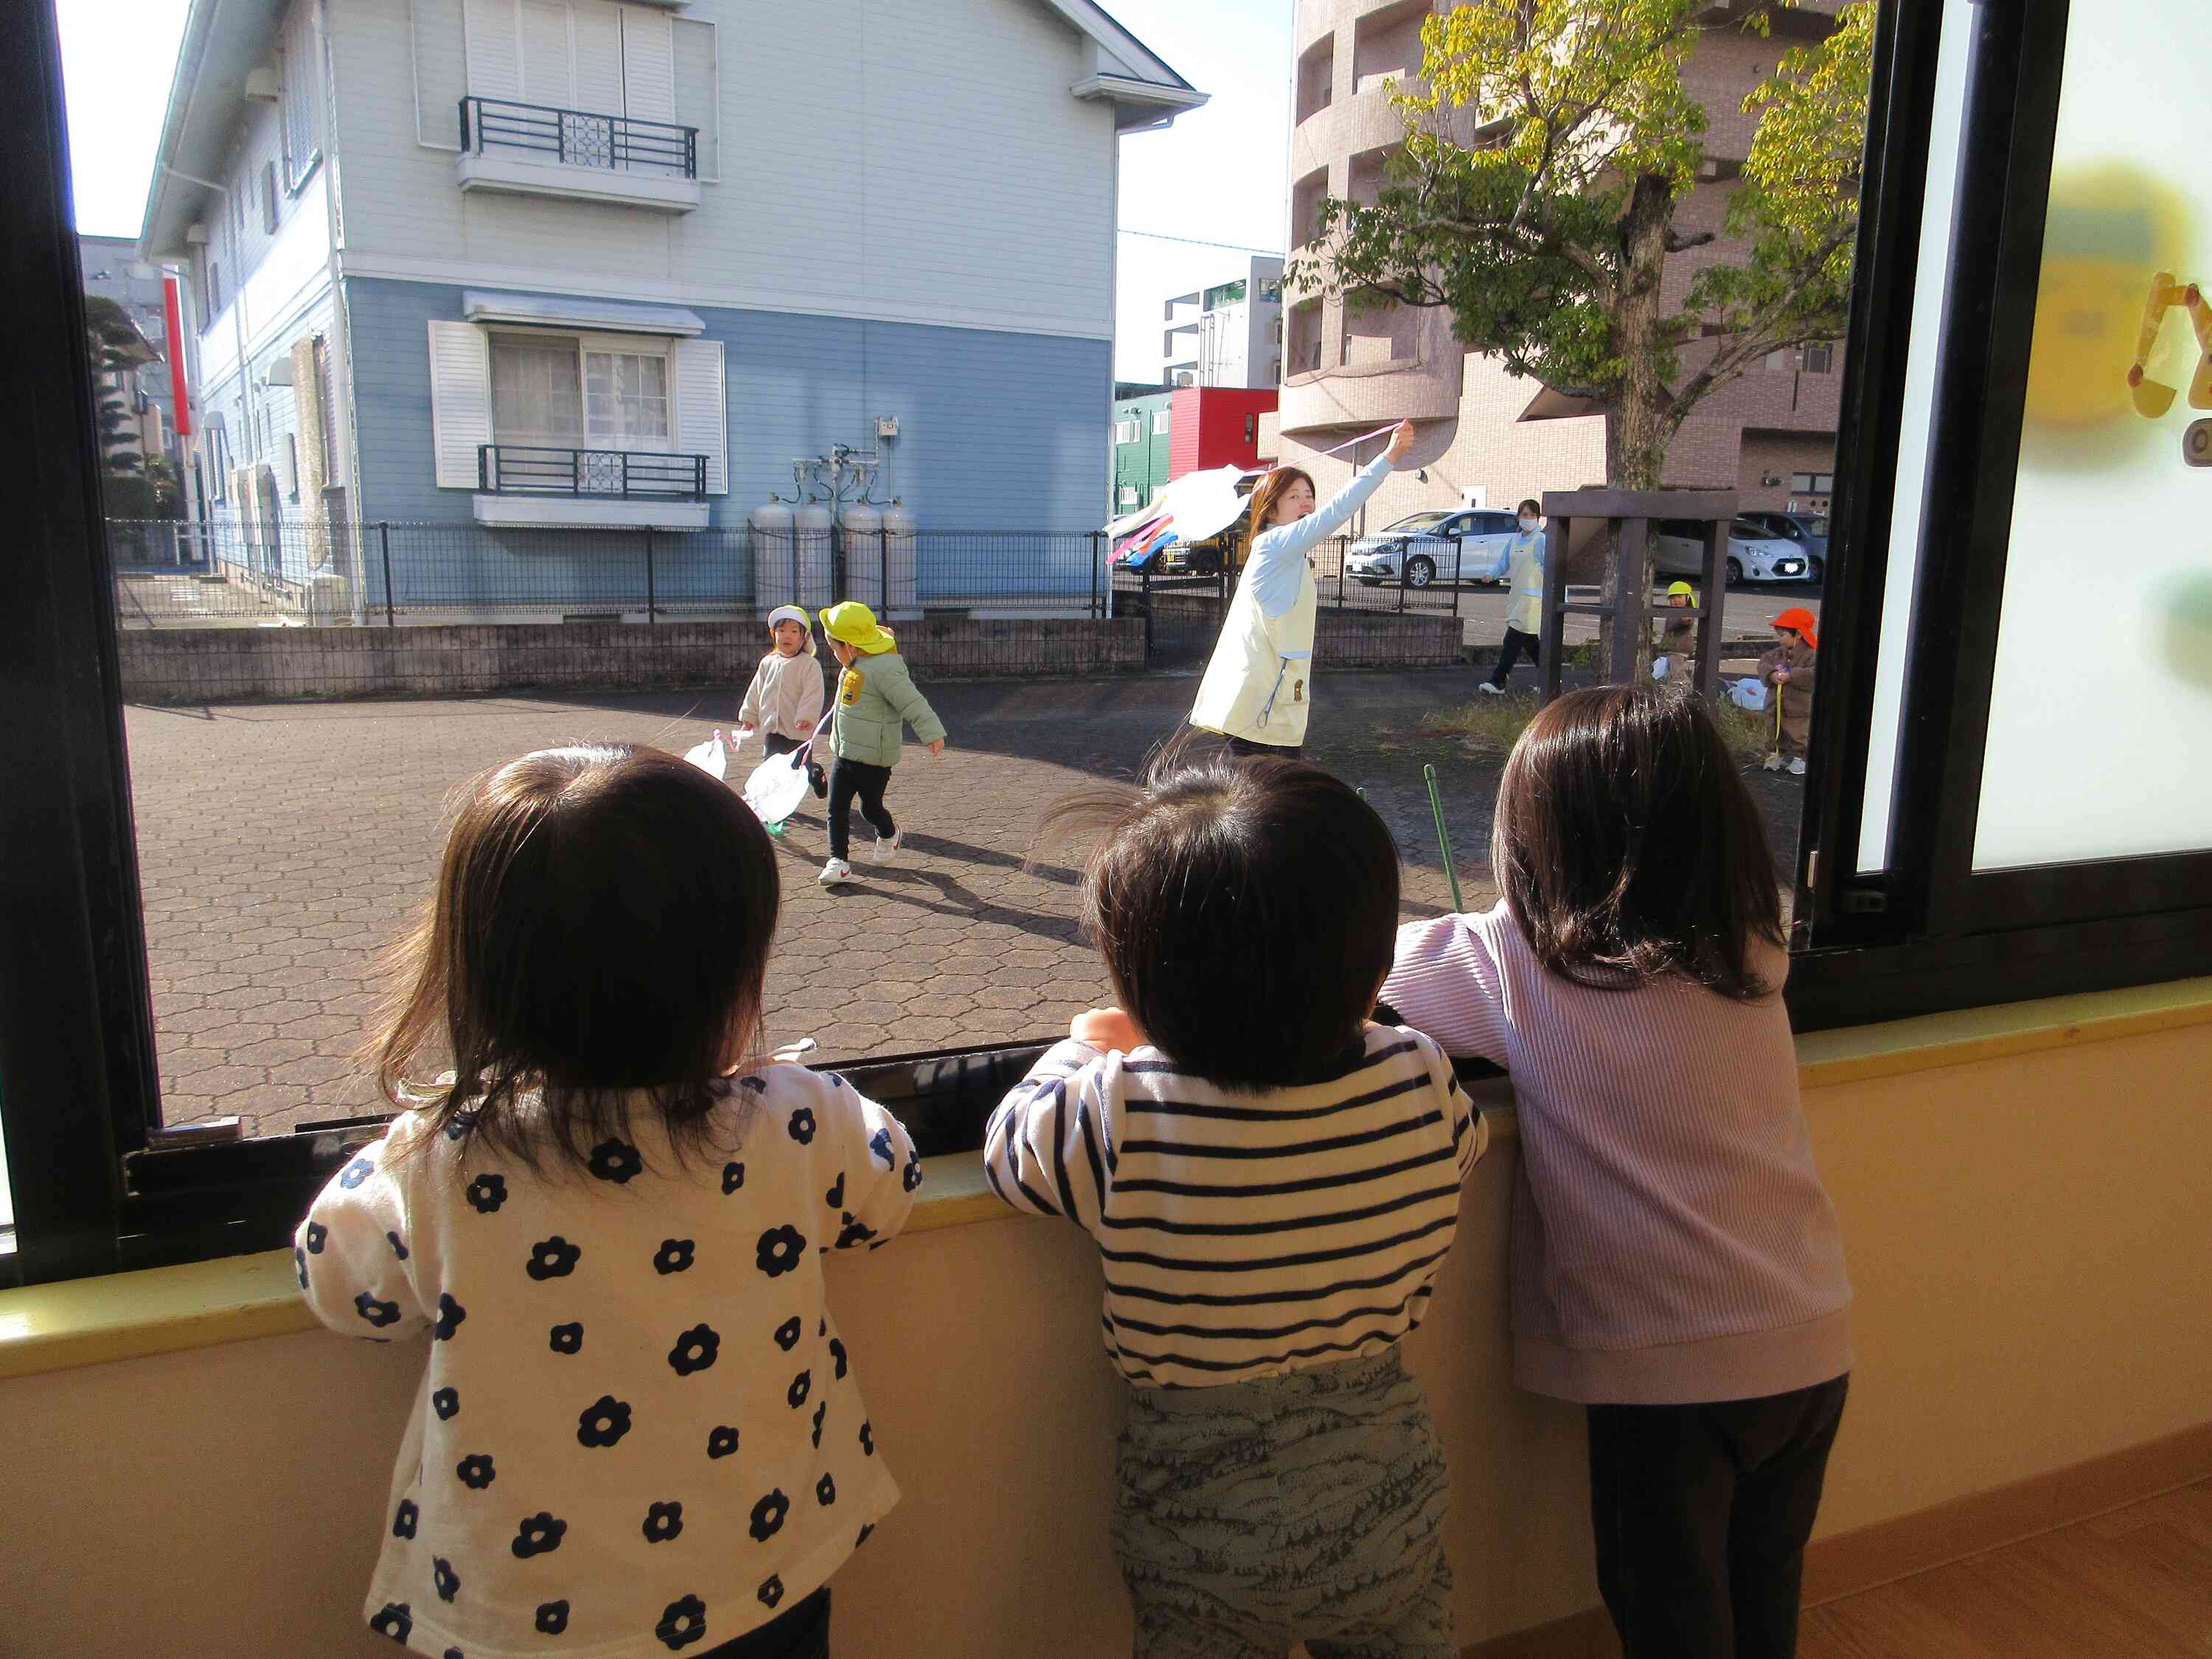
column 997, row 431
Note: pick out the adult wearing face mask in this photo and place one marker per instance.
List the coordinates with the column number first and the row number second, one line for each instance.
column 1523, row 563
column 1256, row 689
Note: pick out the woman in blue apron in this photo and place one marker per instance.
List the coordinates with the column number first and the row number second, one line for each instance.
column 1522, row 564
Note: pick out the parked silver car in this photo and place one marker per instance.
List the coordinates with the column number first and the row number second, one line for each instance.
column 1430, row 547
column 1753, row 553
column 1809, row 530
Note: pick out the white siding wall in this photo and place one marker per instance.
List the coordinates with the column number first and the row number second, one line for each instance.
column 879, row 159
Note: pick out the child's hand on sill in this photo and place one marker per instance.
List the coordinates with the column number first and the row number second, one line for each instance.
column 1107, row 1029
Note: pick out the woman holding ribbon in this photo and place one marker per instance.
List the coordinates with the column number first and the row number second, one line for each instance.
column 1255, row 692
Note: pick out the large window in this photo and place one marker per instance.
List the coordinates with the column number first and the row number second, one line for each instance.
column 556, row 389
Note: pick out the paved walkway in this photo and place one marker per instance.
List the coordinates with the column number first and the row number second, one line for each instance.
column 282, row 847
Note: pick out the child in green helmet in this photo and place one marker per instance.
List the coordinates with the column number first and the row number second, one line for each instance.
column 876, row 697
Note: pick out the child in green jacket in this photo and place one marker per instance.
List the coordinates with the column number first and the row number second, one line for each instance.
column 876, row 695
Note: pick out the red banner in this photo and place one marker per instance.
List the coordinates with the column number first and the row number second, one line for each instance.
column 172, row 306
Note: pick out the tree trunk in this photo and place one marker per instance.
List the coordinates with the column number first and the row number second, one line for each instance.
column 1641, row 424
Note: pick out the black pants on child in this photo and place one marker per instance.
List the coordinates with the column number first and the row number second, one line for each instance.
column 849, row 779
column 776, row 743
column 1515, row 644
column 799, row 1631
column 1701, row 1514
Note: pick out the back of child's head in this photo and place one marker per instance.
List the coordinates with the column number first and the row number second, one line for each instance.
column 1628, row 847
column 1246, row 914
column 599, row 933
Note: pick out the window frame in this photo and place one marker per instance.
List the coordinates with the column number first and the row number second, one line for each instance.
column 585, row 346
column 298, row 50
column 79, row 1094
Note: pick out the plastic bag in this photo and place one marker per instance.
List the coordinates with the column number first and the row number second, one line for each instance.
column 1749, row 694
column 776, row 786
column 1661, row 668
column 712, row 756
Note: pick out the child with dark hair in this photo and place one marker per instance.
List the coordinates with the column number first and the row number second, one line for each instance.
column 610, row 1216
column 1272, row 1181
column 1676, row 1266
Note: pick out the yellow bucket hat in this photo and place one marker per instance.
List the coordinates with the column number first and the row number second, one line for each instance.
column 853, row 623
column 1682, row 588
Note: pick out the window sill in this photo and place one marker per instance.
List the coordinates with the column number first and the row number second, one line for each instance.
column 504, row 176
column 89, row 1322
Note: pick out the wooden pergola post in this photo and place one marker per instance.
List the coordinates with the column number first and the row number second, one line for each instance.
column 1629, row 611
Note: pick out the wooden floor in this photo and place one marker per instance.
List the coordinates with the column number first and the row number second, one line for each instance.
column 2133, row 1584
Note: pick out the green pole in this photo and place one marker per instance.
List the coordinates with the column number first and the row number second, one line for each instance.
column 1443, row 836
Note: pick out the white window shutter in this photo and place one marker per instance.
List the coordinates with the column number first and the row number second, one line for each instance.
column 546, row 78
column 598, row 57
column 701, row 404
column 460, row 400
column 649, row 65
column 494, row 49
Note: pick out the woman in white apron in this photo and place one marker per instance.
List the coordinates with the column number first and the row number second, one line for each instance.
column 1522, row 564
column 1257, row 687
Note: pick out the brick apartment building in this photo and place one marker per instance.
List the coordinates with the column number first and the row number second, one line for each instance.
column 1486, row 438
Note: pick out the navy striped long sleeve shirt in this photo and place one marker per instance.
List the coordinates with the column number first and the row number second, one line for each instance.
column 1245, row 1233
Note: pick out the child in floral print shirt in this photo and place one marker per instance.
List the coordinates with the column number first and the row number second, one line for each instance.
column 638, row 1431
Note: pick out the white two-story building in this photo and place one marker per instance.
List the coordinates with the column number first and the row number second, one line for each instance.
column 524, row 265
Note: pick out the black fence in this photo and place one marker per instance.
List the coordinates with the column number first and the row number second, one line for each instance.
column 580, row 138
column 311, row 569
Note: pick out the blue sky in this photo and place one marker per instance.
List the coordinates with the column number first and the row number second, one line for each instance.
column 1218, row 175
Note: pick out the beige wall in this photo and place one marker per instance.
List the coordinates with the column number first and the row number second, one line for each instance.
column 2028, row 1238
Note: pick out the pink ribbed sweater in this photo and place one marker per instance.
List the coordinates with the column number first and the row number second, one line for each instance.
column 1671, row 1241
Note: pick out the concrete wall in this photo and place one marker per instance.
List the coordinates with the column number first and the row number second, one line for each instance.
column 231, row 664
column 2027, row 1237
column 1344, row 638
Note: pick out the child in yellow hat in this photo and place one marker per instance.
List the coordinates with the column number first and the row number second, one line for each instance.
column 876, row 697
column 1678, row 639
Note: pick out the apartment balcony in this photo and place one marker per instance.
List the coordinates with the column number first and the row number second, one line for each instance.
column 531, row 485
column 533, row 150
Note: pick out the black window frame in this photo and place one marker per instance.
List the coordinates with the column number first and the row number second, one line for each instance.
column 99, row 1186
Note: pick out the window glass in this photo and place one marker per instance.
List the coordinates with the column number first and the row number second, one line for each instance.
column 534, row 390
column 1421, row 521
column 2099, row 741
column 1160, row 422
column 625, row 397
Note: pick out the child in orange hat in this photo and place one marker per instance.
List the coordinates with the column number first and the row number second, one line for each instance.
column 1789, row 669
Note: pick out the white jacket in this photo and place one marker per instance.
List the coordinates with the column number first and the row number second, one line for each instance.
column 1258, row 685
column 784, row 699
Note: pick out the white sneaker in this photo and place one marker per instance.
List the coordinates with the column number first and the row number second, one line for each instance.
column 1494, row 690
column 834, row 871
column 1796, row 766
column 886, row 850
column 1772, row 762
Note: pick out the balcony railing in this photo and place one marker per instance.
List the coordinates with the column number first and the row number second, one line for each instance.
column 577, row 138
column 608, row 474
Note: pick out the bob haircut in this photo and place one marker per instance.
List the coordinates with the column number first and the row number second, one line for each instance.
column 1629, row 849
column 600, row 928
column 1246, row 914
column 1269, row 495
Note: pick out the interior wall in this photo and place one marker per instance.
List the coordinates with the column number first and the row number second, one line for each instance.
column 2026, row 1237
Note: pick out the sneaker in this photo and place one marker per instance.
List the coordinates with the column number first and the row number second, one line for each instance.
column 887, row 850
column 1796, row 766
column 834, row 871
column 1772, row 762
column 1494, row 690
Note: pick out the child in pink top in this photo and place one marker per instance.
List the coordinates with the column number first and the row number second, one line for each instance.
column 1676, row 1266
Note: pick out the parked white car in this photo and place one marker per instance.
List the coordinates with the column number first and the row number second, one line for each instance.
column 1753, row 553
column 1431, row 547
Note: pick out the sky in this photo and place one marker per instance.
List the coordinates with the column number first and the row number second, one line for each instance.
column 1219, row 174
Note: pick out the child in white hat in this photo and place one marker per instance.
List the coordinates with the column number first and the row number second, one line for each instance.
column 784, row 701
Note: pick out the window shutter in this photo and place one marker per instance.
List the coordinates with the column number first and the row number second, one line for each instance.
column 701, row 423
column 649, row 65
column 599, row 57
column 495, row 55
column 546, row 77
column 460, row 400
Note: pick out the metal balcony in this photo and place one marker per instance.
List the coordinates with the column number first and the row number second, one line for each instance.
column 578, row 138
column 619, row 475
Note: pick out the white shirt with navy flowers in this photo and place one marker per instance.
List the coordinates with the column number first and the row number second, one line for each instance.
column 638, row 1429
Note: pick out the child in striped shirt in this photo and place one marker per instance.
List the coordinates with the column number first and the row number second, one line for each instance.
column 1676, row 1266
column 1272, row 1181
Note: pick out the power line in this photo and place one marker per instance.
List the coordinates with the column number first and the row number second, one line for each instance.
column 1196, row 241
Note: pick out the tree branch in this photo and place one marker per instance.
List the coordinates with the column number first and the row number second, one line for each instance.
column 1678, row 243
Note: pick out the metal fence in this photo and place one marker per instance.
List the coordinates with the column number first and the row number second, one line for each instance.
column 313, row 569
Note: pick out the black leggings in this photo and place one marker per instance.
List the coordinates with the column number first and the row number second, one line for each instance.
column 799, row 1631
column 1701, row 1514
column 850, row 780
column 1245, row 749
column 1510, row 653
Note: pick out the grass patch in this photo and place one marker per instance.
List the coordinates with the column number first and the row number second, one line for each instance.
column 1488, row 727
